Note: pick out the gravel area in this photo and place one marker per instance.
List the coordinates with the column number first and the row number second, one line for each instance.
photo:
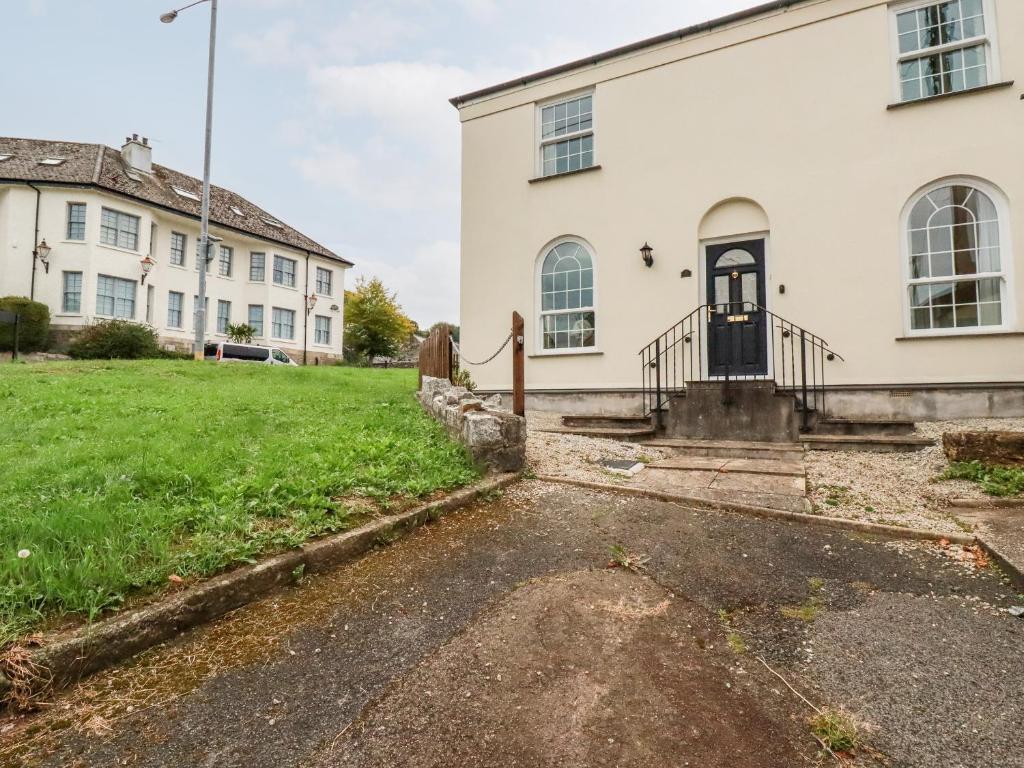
column 575, row 456
column 896, row 488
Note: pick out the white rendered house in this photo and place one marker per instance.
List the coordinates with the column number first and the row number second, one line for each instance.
column 854, row 168
column 103, row 213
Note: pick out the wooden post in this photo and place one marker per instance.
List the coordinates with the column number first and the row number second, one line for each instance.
column 518, row 362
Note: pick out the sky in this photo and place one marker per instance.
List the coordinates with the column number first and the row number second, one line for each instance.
column 331, row 114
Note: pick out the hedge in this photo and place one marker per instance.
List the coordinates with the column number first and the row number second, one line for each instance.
column 34, row 328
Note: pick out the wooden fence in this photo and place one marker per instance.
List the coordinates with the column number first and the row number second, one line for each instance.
column 437, row 355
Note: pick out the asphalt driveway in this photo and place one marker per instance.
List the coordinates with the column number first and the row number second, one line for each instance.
column 498, row 636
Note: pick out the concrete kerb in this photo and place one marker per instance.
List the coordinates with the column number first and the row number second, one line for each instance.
column 891, row 531
column 106, row 643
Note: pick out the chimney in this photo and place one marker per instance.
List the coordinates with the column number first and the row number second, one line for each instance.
column 138, row 154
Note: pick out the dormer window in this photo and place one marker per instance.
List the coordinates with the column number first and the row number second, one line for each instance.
column 271, row 222
column 566, row 141
column 236, row 210
column 184, row 193
column 5, row 157
column 943, row 47
column 52, row 161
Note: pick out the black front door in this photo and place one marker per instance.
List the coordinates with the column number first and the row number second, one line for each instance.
column 737, row 326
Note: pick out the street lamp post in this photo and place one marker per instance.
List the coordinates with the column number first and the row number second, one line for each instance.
column 204, row 226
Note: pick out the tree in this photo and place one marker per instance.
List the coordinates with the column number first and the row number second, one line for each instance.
column 242, row 333
column 375, row 325
column 452, row 329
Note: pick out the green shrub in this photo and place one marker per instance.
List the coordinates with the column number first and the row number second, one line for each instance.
column 116, row 339
column 995, row 481
column 34, row 328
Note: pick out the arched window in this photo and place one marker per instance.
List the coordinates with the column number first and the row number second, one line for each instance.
column 567, row 318
column 957, row 268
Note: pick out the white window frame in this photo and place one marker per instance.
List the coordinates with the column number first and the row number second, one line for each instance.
column 317, row 331
column 273, row 322
column 539, row 312
column 989, row 40
column 330, row 281
column 116, row 281
column 263, row 268
column 72, row 204
column 120, row 216
column 230, row 262
column 294, row 272
column 184, row 249
column 540, row 142
column 1006, row 257
column 262, row 327
column 64, row 292
column 180, row 310
column 221, row 304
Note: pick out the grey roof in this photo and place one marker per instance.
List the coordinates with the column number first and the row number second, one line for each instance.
column 695, row 29
column 102, row 167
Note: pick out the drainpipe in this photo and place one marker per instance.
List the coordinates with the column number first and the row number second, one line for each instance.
column 305, row 312
column 35, row 240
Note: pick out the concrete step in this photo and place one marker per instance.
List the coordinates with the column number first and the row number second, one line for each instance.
column 730, row 449
column 775, row 467
column 879, row 443
column 601, row 421
column 867, row 427
column 627, row 435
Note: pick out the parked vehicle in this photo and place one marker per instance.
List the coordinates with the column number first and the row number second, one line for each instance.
column 230, row 352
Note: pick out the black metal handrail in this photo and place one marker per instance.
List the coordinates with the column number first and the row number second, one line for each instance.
column 796, row 360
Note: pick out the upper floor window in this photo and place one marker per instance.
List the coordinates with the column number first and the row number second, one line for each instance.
column 957, row 277
column 324, row 278
column 284, row 271
column 227, row 258
column 120, row 229
column 567, row 318
column 115, row 297
column 178, row 242
column 943, row 47
column 76, row 221
column 566, row 141
column 257, row 267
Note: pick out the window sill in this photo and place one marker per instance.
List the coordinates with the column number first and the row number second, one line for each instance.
column 286, row 287
column 69, row 315
column 553, row 176
column 117, row 248
column 73, row 242
column 566, row 353
column 941, row 96
column 961, row 335
column 179, row 266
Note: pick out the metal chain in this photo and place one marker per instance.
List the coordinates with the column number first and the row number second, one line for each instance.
column 485, row 362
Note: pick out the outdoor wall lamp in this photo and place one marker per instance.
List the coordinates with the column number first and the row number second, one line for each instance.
column 42, row 252
column 647, row 254
column 147, row 266
column 310, row 302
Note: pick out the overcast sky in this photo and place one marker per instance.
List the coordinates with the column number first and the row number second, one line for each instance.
column 331, row 114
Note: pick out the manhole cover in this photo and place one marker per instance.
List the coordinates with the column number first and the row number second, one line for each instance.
column 627, row 467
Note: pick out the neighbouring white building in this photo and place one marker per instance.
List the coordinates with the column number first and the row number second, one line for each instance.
column 103, row 213
column 854, row 168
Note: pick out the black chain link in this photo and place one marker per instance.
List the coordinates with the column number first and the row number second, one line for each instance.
column 485, row 362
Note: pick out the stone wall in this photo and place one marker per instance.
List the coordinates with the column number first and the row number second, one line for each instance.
column 495, row 438
column 1000, row 448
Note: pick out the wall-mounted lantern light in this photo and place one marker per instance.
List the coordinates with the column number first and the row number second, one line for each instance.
column 147, row 266
column 310, row 302
column 42, row 253
column 647, row 253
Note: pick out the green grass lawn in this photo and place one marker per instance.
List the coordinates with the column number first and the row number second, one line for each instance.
column 116, row 475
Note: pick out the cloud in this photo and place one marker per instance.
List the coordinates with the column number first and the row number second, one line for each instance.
column 427, row 283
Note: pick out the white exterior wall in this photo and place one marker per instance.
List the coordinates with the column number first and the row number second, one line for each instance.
column 789, row 111
column 93, row 258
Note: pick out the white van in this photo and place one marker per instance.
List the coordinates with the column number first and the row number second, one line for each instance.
column 230, row 352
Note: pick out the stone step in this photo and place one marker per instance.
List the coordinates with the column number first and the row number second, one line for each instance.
column 878, row 443
column 776, row 467
column 730, row 449
column 627, row 435
column 602, row 421
column 867, row 427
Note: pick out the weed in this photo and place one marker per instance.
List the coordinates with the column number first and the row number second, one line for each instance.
column 816, row 583
column 807, row 612
column 623, row 559
column 298, row 573
column 835, row 730
column 491, row 495
column 995, row 481
column 869, row 509
column 643, row 458
column 736, row 643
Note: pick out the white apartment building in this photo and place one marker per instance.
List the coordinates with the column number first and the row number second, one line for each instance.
column 123, row 239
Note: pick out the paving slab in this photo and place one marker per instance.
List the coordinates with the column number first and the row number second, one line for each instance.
column 498, row 636
column 1003, row 528
column 726, row 464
